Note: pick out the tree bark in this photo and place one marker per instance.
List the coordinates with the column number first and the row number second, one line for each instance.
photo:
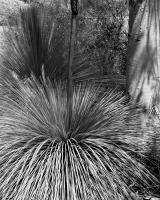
column 143, row 68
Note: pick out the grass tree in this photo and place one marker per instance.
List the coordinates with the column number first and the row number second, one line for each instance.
column 97, row 155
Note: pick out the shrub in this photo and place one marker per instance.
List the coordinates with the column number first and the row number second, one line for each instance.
column 42, row 158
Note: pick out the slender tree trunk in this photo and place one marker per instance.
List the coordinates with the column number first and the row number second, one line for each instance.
column 143, row 70
column 74, row 9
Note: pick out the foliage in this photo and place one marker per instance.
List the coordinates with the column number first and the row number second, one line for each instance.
column 34, row 45
column 42, row 158
column 102, row 29
column 9, row 10
column 99, row 51
column 102, row 41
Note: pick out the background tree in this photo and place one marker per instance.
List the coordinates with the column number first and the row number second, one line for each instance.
column 143, row 70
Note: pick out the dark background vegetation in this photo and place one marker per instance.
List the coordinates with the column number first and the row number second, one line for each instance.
column 101, row 38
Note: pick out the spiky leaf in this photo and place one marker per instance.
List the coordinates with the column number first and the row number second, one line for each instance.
column 42, row 158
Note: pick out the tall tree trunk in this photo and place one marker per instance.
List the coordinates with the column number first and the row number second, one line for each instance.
column 143, row 70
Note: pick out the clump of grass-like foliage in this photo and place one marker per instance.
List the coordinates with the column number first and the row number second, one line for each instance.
column 42, row 158
column 33, row 44
column 39, row 41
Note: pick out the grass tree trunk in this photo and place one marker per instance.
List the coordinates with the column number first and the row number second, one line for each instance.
column 144, row 52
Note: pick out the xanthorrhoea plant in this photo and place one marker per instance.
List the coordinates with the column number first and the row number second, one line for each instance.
column 33, row 44
column 40, row 40
column 42, row 158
